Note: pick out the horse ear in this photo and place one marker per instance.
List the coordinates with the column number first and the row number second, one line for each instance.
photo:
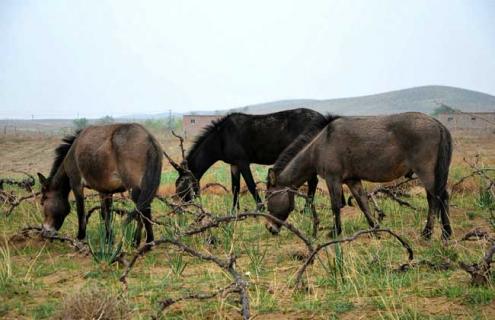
column 272, row 177
column 43, row 180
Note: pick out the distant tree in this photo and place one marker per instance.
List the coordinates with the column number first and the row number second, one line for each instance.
column 106, row 120
column 443, row 108
column 80, row 123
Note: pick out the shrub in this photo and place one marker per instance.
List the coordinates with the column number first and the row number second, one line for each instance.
column 93, row 303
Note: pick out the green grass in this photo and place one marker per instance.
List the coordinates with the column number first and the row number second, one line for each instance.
column 355, row 280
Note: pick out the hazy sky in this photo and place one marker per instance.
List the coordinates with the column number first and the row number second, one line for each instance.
column 93, row 58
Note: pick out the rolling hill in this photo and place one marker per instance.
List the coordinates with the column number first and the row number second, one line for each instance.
column 423, row 99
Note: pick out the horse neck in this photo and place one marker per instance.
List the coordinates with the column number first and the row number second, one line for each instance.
column 298, row 170
column 60, row 182
column 203, row 157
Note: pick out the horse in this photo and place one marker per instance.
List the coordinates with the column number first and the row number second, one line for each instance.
column 377, row 149
column 109, row 159
column 241, row 139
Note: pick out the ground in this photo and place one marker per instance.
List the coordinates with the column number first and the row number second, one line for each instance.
column 354, row 281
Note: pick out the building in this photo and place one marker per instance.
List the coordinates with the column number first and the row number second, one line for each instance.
column 477, row 122
column 194, row 124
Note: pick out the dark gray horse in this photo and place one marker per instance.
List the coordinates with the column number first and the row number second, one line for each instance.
column 377, row 149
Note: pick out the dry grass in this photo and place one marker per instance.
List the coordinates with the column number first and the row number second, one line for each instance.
column 93, row 303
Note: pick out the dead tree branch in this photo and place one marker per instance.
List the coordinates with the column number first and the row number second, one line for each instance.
column 239, row 283
column 214, row 184
column 480, row 272
column 356, row 235
column 181, row 144
column 165, row 303
column 26, row 184
column 30, row 231
column 477, row 234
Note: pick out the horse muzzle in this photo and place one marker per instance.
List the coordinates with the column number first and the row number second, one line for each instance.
column 272, row 228
column 48, row 230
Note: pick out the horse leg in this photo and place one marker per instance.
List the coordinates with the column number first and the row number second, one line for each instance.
column 137, row 216
column 147, row 224
column 235, row 176
column 248, row 177
column 430, row 221
column 312, row 184
column 444, row 214
column 106, row 201
column 143, row 208
column 335, row 189
column 361, row 197
column 81, row 214
column 433, row 203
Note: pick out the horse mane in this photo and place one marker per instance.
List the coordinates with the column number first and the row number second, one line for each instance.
column 301, row 141
column 61, row 151
column 207, row 131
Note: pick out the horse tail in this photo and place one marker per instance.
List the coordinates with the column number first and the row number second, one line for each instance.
column 151, row 177
column 443, row 161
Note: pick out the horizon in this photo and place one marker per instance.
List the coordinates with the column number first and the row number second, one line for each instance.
column 214, row 111
column 117, row 58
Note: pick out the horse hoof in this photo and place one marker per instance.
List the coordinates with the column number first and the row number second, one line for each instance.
column 426, row 234
column 333, row 234
column 446, row 234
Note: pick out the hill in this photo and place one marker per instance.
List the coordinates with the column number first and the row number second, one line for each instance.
column 424, row 99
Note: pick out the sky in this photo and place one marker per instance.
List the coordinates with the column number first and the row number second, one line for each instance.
column 91, row 58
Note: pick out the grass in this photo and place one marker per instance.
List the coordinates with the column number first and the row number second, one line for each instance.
column 357, row 280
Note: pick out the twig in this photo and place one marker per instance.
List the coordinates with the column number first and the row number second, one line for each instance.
column 480, row 272
column 181, row 143
column 16, row 202
column 26, row 183
column 356, row 235
column 214, row 184
column 76, row 244
column 227, row 265
column 165, row 303
column 477, row 234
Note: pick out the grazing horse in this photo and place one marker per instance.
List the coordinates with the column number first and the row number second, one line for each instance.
column 108, row 159
column 377, row 149
column 239, row 140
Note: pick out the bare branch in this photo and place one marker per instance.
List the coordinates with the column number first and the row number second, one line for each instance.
column 181, row 142
column 356, row 235
column 480, row 272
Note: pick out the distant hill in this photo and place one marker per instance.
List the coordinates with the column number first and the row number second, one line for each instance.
column 424, row 99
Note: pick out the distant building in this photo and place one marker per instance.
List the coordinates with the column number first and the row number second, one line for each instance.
column 477, row 122
column 194, row 124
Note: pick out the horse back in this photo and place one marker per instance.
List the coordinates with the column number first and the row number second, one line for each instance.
column 261, row 138
column 379, row 148
column 112, row 158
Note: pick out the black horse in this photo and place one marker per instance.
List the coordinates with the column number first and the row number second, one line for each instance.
column 239, row 140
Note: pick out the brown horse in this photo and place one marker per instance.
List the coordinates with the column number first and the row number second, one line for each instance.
column 108, row 159
column 377, row 149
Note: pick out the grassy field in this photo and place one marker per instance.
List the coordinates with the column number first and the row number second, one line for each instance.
column 43, row 279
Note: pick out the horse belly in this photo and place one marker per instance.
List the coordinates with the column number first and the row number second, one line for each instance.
column 99, row 170
column 377, row 164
